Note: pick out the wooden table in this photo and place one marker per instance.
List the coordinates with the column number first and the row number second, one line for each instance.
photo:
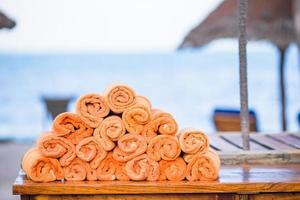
column 254, row 182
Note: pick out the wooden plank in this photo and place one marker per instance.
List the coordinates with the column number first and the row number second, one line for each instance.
column 233, row 179
column 273, row 151
column 286, row 139
column 295, row 135
column 296, row 138
column 136, row 196
column 260, row 157
column 276, row 196
column 274, row 144
column 222, row 144
column 237, row 139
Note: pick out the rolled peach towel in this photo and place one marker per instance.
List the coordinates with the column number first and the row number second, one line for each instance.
column 142, row 168
column 119, row 97
column 164, row 147
column 203, row 167
column 71, row 126
column 143, row 98
column 193, row 141
column 90, row 150
column 79, row 170
column 173, row 170
column 53, row 146
column 188, row 157
column 40, row 168
column 110, row 169
column 129, row 146
column 161, row 123
column 91, row 174
column 121, row 174
column 92, row 108
column 110, row 130
column 137, row 116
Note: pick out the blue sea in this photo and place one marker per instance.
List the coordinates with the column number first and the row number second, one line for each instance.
column 187, row 84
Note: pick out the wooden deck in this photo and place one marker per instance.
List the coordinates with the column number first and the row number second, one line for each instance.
column 265, row 148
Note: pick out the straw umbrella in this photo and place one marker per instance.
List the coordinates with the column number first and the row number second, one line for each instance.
column 267, row 20
column 6, row 22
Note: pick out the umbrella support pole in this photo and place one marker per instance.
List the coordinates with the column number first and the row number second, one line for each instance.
column 282, row 89
column 244, row 116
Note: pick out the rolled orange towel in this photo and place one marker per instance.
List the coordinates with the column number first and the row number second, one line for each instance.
column 129, row 146
column 71, row 126
column 142, row 168
column 161, row 123
column 203, row 167
column 164, row 147
column 92, row 108
column 110, row 130
column 90, row 150
column 193, row 141
column 121, row 174
column 110, row 169
column 79, row 170
column 137, row 116
column 120, row 97
column 145, row 99
column 53, row 146
column 188, row 157
column 174, row 170
column 39, row 168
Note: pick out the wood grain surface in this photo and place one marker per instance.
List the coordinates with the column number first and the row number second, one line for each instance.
column 243, row 179
column 279, row 148
column 137, row 197
column 276, row 196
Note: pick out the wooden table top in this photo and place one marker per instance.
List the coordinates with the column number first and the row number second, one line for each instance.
column 241, row 179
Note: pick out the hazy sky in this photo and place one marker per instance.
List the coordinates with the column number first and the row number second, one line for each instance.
column 102, row 25
column 105, row 25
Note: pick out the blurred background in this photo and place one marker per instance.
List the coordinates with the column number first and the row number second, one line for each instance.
column 53, row 51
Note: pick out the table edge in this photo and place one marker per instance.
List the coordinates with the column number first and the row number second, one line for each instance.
column 259, row 187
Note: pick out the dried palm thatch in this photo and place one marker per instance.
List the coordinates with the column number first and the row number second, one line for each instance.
column 267, row 20
column 6, row 22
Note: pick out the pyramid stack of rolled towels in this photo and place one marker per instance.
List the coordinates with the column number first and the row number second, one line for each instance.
column 119, row 136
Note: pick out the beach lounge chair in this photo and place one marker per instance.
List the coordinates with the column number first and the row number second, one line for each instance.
column 298, row 119
column 56, row 105
column 229, row 120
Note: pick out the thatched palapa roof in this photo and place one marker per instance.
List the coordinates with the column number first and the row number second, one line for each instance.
column 6, row 22
column 270, row 20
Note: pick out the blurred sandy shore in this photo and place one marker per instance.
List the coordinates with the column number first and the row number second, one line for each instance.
column 10, row 160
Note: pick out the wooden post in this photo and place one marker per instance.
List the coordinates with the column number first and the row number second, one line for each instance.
column 296, row 17
column 282, row 89
column 242, row 15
